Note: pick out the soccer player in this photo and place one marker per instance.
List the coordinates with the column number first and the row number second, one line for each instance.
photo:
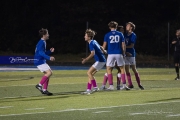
column 176, row 43
column 114, row 40
column 121, row 29
column 41, row 55
column 98, row 53
column 130, row 39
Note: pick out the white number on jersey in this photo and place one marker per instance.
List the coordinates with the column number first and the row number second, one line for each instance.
column 114, row 39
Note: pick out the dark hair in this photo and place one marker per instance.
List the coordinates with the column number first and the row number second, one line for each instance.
column 177, row 30
column 43, row 32
column 90, row 33
column 113, row 24
column 132, row 25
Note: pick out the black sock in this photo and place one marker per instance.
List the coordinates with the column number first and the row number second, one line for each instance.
column 177, row 70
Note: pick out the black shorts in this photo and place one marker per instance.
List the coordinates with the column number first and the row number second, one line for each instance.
column 177, row 58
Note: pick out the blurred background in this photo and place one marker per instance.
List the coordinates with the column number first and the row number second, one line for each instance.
column 156, row 23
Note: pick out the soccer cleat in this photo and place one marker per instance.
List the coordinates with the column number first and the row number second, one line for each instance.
column 103, row 88
column 47, row 93
column 124, row 88
column 95, row 90
column 118, row 87
column 39, row 88
column 130, row 86
column 110, row 88
column 177, row 78
column 141, row 87
column 86, row 93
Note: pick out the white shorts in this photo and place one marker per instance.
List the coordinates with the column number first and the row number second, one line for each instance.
column 98, row 65
column 43, row 67
column 130, row 61
column 113, row 58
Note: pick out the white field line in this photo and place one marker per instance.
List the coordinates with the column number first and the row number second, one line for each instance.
column 151, row 113
column 3, row 107
column 34, row 109
column 85, row 109
column 102, row 111
column 176, row 115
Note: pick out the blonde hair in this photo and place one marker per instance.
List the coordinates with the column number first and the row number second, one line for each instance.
column 90, row 33
column 113, row 24
column 132, row 25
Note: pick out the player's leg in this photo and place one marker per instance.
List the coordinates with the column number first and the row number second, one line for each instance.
column 47, row 73
column 90, row 77
column 121, row 65
column 103, row 87
column 109, row 68
column 137, row 76
column 118, row 77
column 176, row 63
column 46, row 84
column 128, row 74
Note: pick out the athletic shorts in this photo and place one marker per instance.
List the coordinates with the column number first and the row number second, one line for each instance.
column 176, row 57
column 98, row 65
column 115, row 58
column 43, row 67
column 130, row 61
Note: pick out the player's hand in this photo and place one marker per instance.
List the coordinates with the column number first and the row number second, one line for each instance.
column 105, row 52
column 52, row 49
column 128, row 54
column 52, row 59
column 83, row 60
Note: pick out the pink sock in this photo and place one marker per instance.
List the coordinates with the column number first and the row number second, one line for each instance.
column 137, row 78
column 129, row 78
column 123, row 78
column 89, row 86
column 105, row 79
column 110, row 79
column 45, row 86
column 94, row 83
column 43, row 80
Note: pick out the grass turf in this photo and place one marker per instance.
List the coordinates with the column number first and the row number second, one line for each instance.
column 19, row 100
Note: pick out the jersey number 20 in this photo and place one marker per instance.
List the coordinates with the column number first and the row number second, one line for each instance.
column 114, row 39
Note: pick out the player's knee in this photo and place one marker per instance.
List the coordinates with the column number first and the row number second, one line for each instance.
column 89, row 73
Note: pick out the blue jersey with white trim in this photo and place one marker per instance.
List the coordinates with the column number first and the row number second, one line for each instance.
column 130, row 39
column 114, row 41
column 94, row 46
column 41, row 55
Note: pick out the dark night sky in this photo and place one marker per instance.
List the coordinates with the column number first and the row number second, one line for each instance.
column 66, row 22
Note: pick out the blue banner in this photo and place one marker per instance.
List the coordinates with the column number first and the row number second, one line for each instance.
column 17, row 60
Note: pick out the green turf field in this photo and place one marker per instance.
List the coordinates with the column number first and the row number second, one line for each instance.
column 20, row 100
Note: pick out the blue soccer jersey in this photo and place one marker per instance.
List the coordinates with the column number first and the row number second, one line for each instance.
column 41, row 55
column 94, row 46
column 114, row 41
column 130, row 39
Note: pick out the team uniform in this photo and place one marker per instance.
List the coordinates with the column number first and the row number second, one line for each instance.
column 114, row 40
column 41, row 55
column 99, row 56
column 100, row 61
column 130, row 39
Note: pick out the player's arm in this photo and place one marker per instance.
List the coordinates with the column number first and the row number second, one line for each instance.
column 84, row 60
column 41, row 48
column 130, row 46
column 103, row 50
column 123, row 48
column 49, row 51
column 174, row 42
